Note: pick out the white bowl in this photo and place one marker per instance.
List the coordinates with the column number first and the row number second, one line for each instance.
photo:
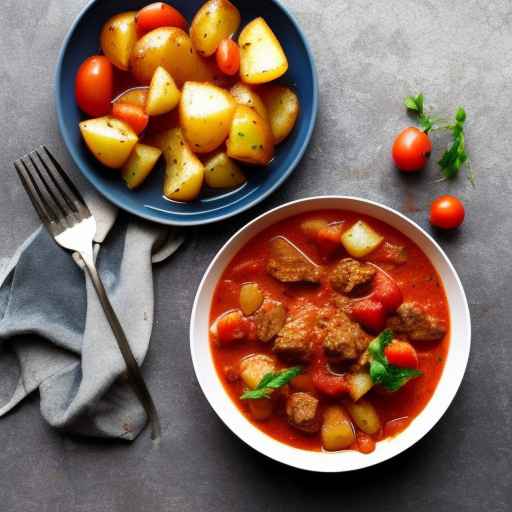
column 455, row 366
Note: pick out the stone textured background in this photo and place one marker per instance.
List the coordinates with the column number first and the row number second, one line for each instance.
column 369, row 55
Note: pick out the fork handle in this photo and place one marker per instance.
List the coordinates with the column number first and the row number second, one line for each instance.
column 133, row 371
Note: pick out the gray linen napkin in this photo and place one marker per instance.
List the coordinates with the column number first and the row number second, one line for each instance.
column 53, row 321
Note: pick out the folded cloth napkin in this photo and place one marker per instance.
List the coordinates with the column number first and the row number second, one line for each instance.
column 53, row 321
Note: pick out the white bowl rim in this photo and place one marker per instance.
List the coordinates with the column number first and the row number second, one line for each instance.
column 347, row 460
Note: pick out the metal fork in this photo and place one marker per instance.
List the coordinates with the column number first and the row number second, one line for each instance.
column 63, row 211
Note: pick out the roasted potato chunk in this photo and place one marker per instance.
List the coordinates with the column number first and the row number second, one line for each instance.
column 136, row 96
column 245, row 95
column 184, row 172
column 282, row 105
column 364, row 416
column 262, row 58
column 253, row 368
column 141, row 162
column 360, row 239
column 250, row 138
column 110, row 140
column 118, row 37
column 163, row 95
column 171, row 48
column 251, row 298
column 360, row 384
column 206, row 112
column 222, row 172
column 337, row 429
column 216, row 20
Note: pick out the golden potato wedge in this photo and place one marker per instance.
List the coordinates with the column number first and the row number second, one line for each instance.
column 251, row 298
column 337, row 430
column 171, row 48
column 360, row 384
column 206, row 112
column 262, row 58
column 184, row 172
column 141, row 162
column 245, row 95
column 361, row 239
column 364, row 415
column 254, row 367
column 250, row 138
column 118, row 37
column 216, row 20
column 163, row 95
column 222, row 172
column 283, row 108
column 136, row 96
column 110, row 140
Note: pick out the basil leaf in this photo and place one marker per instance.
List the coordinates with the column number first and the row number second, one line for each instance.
column 381, row 372
column 270, row 381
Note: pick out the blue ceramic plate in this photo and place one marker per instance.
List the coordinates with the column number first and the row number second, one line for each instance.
column 148, row 202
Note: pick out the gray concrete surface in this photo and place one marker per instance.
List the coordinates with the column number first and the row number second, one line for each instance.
column 369, row 55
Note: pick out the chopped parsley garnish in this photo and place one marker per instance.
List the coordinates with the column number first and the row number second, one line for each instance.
column 271, row 381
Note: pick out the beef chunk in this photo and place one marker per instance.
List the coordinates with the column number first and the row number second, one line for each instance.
column 294, row 343
column 412, row 321
column 269, row 319
column 390, row 253
column 302, row 412
column 290, row 265
column 349, row 274
column 343, row 339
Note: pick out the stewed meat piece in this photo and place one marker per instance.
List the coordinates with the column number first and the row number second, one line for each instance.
column 302, row 412
column 294, row 343
column 416, row 324
column 343, row 339
column 390, row 253
column 289, row 264
column 269, row 319
column 349, row 274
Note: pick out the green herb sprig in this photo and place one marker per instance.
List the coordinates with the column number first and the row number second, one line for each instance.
column 271, row 381
column 381, row 372
column 455, row 156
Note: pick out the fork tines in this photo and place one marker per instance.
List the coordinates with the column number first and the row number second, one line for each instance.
column 51, row 191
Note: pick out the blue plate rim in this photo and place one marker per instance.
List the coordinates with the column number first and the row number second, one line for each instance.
column 238, row 209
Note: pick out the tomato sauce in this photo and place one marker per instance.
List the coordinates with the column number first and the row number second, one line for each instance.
column 418, row 281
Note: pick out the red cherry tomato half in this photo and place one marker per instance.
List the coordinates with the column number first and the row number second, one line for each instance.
column 131, row 115
column 387, row 291
column 411, row 150
column 158, row 15
column 328, row 383
column 401, row 354
column 94, row 84
column 447, row 212
column 228, row 57
column 370, row 313
column 365, row 443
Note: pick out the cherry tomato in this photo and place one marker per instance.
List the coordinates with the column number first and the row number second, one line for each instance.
column 233, row 326
column 401, row 354
column 94, row 84
column 158, row 15
column 387, row 291
column 327, row 382
column 447, row 212
column 228, row 57
column 411, row 150
column 365, row 443
column 370, row 313
column 131, row 115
